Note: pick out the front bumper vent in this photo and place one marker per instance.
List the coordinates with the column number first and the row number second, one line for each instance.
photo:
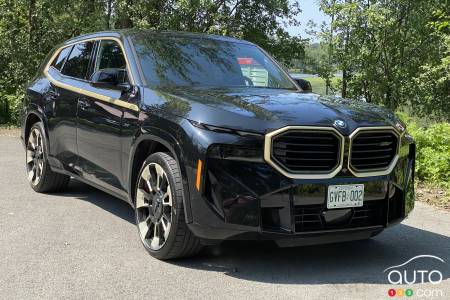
column 313, row 217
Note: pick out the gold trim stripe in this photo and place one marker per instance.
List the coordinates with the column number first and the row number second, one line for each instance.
column 98, row 96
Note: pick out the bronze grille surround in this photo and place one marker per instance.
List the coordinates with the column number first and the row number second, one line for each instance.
column 385, row 142
column 309, row 174
column 324, row 132
column 301, row 151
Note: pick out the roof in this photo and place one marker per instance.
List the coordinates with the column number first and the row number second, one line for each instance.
column 155, row 33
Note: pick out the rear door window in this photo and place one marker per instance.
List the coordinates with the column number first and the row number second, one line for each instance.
column 59, row 60
column 78, row 62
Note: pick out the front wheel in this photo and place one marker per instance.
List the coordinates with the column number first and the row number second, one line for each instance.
column 159, row 209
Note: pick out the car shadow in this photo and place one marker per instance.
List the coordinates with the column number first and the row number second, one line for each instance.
column 349, row 262
column 85, row 192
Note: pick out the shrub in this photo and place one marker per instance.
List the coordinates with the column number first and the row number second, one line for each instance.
column 433, row 151
column 10, row 106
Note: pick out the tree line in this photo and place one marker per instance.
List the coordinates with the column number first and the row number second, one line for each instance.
column 390, row 52
column 29, row 29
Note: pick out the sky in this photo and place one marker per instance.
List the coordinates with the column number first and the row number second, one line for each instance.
column 310, row 11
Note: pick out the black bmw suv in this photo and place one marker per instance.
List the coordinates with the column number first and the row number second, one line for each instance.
column 209, row 138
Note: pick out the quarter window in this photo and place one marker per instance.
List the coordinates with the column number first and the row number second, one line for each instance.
column 78, row 62
column 58, row 62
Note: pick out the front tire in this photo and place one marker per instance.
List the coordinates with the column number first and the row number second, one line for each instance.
column 159, row 210
column 41, row 178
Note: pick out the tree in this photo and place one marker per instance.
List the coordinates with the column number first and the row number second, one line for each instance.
column 30, row 28
column 28, row 31
column 258, row 21
column 384, row 47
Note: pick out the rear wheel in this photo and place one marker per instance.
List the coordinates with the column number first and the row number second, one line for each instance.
column 40, row 176
column 159, row 209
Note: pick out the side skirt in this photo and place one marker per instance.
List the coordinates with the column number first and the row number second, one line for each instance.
column 103, row 189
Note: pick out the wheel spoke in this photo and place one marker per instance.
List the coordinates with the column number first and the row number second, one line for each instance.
column 167, row 198
column 29, row 156
column 40, row 169
column 145, row 194
column 155, row 243
column 148, row 219
column 140, row 199
column 159, row 176
column 164, row 183
column 146, row 173
column 31, row 173
column 150, row 185
column 38, row 143
column 144, row 229
column 32, row 140
column 34, row 179
column 155, row 239
column 165, row 226
column 39, row 139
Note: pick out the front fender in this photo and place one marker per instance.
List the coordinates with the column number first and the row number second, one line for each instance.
column 168, row 139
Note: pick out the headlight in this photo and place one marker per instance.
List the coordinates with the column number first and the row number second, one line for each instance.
column 223, row 130
column 231, row 152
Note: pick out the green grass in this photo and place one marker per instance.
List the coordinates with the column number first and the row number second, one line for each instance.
column 318, row 84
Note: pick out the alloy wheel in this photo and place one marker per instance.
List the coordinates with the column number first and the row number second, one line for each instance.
column 35, row 157
column 154, row 206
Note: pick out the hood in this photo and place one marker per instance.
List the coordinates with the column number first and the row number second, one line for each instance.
column 262, row 110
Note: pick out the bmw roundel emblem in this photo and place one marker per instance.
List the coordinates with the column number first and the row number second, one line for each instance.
column 340, row 123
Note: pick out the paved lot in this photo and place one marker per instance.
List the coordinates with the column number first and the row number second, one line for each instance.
column 83, row 244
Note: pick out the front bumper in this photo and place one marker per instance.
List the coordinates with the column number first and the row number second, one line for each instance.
column 251, row 200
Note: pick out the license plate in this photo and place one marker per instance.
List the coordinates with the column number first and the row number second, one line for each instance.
column 349, row 195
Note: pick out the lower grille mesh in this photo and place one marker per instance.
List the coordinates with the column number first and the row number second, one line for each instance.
column 310, row 217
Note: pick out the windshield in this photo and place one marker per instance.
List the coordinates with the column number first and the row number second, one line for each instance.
column 200, row 62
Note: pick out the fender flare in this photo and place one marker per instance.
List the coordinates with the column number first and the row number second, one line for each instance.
column 175, row 149
column 41, row 116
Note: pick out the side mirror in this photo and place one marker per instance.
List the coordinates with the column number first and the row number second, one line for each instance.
column 305, row 85
column 113, row 79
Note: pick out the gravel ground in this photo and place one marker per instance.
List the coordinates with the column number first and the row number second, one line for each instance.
column 10, row 132
column 83, row 244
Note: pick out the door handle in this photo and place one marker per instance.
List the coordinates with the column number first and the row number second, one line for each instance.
column 83, row 104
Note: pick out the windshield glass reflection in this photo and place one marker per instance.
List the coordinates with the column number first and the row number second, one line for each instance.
column 177, row 61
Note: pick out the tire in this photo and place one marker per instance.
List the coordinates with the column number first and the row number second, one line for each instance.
column 40, row 177
column 158, row 196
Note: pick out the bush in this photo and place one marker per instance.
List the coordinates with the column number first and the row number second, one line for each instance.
column 10, row 106
column 433, row 151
